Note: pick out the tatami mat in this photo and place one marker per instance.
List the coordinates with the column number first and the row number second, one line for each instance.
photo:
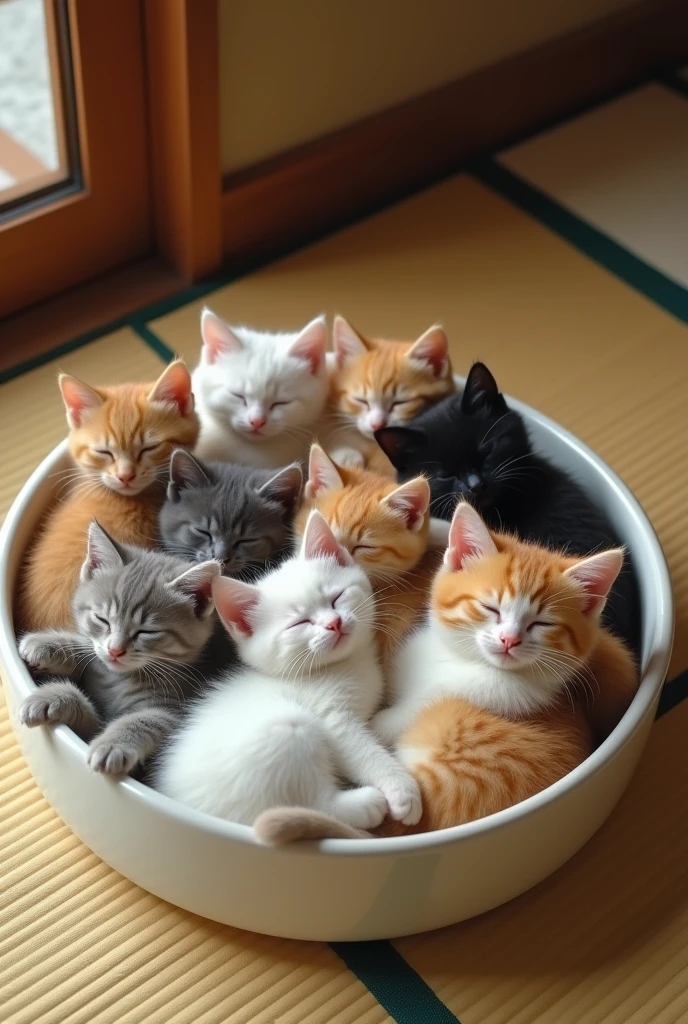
column 605, row 940
column 623, row 168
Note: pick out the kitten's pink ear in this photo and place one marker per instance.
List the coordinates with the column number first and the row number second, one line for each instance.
column 234, row 602
column 320, row 542
column 411, row 500
column 102, row 552
column 311, row 344
column 346, row 343
column 468, row 538
column 285, row 487
column 432, row 350
column 197, row 583
column 322, row 473
column 79, row 399
column 173, row 387
column 596, row 575
column 218, row 337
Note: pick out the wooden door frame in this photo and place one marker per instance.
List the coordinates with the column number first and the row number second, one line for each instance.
column 183, row 61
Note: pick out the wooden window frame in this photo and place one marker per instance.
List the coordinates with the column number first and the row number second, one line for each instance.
column 147, row 104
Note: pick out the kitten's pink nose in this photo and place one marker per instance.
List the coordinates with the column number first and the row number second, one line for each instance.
column 509, row 641
column 335, row 624
column 125, row 476
column 116, row 652
column 257, row 421
column 378, row 420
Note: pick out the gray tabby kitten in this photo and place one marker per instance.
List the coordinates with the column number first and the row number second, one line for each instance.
column 237, row 514
column 142, row 618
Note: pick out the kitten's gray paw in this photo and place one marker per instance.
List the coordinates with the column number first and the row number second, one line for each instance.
column 40, row 710
column 35, row 652
column 110, row 757
column 42, row 654
column 57, row 704
column 404, row 799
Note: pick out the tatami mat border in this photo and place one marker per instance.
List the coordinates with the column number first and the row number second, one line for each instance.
column 674, row 81
column 396, row 986
column 666, row 293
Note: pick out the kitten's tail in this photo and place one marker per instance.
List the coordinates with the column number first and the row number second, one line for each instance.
column 282, row 825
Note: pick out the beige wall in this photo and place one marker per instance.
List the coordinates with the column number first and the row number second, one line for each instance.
column 292, row 70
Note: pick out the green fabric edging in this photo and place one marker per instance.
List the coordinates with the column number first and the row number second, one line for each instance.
column 137, row 320
column 666, row 293
column 396, row 986
column 152, row 340
column 675, row 82
column 673, row 693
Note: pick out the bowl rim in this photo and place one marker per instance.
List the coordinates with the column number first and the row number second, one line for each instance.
column 652, row 680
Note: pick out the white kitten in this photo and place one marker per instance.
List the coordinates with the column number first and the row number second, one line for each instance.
column 291, row 726
column 468, row 659
column 259, row 396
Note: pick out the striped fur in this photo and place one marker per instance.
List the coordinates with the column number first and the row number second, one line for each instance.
column 139, row 425
column 376, row 381
column 157, row 612
column 360, row 508
column 478, row 736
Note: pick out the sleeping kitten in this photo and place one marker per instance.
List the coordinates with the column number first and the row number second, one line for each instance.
column 480, row 711
column 238, row 515
column 292, row 725
column 120, row 439
column 142, row 619
column 260, row 395
column 377, row 383
column 472, row 446
column 385, row 528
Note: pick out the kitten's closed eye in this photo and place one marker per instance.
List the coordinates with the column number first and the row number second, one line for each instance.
column 359, row 548
column 275, row 405
column 104, row 453
column 149, row 448
column 100, row 620
column 492, row 610
column 237, row 394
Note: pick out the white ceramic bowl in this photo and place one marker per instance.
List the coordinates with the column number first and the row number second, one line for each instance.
column 345, row 889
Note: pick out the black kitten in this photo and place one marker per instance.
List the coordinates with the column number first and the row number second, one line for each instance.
column 473, row 447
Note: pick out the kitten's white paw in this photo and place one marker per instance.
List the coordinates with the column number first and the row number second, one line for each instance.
column 365, row 807
column 111, row 758
column 348, row 458
column 404, row 799
column 388, row 725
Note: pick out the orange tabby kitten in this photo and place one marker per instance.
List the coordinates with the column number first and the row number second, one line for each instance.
column 479, row 710
column 385, row 527
column 120, row 440
column 377, row 383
